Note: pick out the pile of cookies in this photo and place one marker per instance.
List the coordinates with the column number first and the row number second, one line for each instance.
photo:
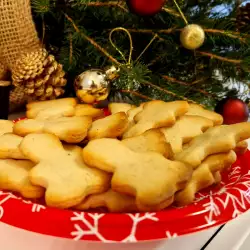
column 136, row 159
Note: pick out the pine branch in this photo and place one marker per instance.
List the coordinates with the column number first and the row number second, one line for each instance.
column 168, row 92
column 136, row 94
column 171, row 11
column 234, row 61
column 171, row 79
column 81, row 44
column 231, row 34
column 92, row 41
column 70, row 49
column 108, row 4
column 41, row 6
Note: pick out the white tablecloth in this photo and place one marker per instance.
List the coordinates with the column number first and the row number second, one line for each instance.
column 17, row 239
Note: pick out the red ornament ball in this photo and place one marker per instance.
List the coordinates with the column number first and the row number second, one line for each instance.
column 233, row 110
column 145, row 7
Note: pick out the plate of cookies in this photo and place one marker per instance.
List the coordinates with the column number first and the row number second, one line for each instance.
column 148, row 172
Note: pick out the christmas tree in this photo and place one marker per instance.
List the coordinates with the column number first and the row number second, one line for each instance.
column 159, row 61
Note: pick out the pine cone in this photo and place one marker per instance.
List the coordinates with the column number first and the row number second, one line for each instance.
column 40, row 75
column 29, row 65
column 243, row 18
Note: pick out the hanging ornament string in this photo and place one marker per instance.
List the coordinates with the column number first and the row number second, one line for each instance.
column 181, row 13
column 192, row 35
column 128, row 62
column 151, row 41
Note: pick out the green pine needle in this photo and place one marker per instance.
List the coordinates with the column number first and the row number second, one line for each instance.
column 166, row 56
column 42, row 7
column 131, row 77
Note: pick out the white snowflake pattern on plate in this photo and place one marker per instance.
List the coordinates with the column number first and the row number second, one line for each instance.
column 79, row 233
column 6, row 196
column 229, row 193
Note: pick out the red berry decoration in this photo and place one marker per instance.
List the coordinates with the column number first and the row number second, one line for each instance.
column 233, row 110
column 106, row 111
column 145, row 7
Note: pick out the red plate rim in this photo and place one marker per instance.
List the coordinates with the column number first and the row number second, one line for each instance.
column 212, row 207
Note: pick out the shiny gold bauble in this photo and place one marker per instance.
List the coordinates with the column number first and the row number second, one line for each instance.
column 92, row 86
column 192, row 36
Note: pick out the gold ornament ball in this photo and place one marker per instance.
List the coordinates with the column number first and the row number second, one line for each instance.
column 192, row 36
column 92, row 86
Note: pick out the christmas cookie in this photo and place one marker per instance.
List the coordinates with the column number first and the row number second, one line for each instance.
column 115, row 202
column 64, row 175
column 14, row 176
column 149, row 177
column 207, row 174
column 120, row 107
column 195, row 109
column 215, row 140
column 9, row 147
column 152, row 140
column 109, row 127
column 156, row 114
column 88, row 110
column 184, row 130
column 6, row 127
column 68, row 129
column 241, row 147
column 45, row 110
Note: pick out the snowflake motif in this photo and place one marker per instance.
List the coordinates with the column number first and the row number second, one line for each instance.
column 137, row 218
column 36, row 208
column 235, row 172
column 79, row 233
column 213, row 209
column 6, row 197
column 235, row 196
column 171, row 236
column 92, row 229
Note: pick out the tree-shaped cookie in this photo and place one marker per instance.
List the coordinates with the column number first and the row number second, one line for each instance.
column 241, row 147
column 116, row 107
column 219, row 139
column 131, row 113
column 156, row 114
column 204, row 176
column 152, row 140
column 88, row 110
column 115, row 202
column 63, row 174
column 6, row 127
column 109, row 127
column 184, row 130
column 119, row 203
column 149, row 176
column 68, row 129
column 14, row 176
column 9, row 147
column 196, row 109
column 46, row 110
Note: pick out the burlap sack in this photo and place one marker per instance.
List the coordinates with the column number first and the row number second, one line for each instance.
column 3, row 71
column 17, row 35
column 17, row 30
